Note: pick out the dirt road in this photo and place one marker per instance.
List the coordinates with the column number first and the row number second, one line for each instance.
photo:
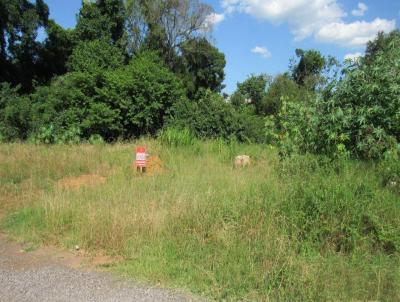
column 48, row 274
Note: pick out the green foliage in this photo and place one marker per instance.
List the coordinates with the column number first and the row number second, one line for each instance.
column 359, row 116
column 294, row 129
column 367, row 100
column 204, row 66
column 282, row 87
column 249, row 126
column 307, row 70
column 55, row 51
column 15, row 113
column 252, row 92
column 101, row 20
column 96, row 139
column 209, row 115
column 389, row 169
column 51, row 135
column 20, row 21
column 95, row 56
column 382, row 43
column 124, row 102
column 321, row 217
column 142, row 93
column 174, row 137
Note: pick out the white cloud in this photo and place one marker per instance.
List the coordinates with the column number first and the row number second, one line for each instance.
column 353, row 56
column 354, row 34
column 262, row 51
column 213, row 19
column 311, row 18
column 360, row 11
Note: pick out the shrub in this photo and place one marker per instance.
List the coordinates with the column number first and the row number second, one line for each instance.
column 95, row 56
column 96, row 139
column 142, row 93
column 15, row 113
column 359, row 116
column 250, row 127
column 51, row 135
column 125, row 102
column 208, row 116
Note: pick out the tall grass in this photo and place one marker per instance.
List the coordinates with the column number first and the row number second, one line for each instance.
column 296, row 230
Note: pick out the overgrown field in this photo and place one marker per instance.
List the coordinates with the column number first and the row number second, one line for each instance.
column 300, row 229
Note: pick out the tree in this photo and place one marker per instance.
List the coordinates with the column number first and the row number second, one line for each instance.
column 55, row 51
column 282, row 87
column 95, row 56
column 383, row 42
column 171, row 23
column 122, row 102
column 15, row 113
column 101, row 20
column 307, row 70
column 204, row 66
column 368, row 100
column 19, row 24
column 252, row 92
column 209, row 116
column 143, row 93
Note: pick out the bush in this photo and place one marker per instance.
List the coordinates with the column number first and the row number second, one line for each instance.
column 250, row 127
column 15, row 113
column 96, row 139
column 294, row 129
column 365, row 106
column 208, row 116
column 125, row 102
column 95, row 56
column 142, row 93
column 51, row 135
column 359, row 116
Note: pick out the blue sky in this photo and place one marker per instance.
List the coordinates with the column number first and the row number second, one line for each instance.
column 260, row 36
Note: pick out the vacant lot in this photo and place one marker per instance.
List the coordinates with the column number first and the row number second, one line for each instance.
column 304, row 228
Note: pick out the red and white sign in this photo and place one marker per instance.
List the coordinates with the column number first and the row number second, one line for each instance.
column 141, row 157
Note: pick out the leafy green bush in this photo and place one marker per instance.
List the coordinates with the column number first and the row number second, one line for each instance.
column 294, row 128
column 360, row 116
column 142, row 94
column 51, row 135
column 15, row 113
column 249, row 126
column 95, row 56
column 96, row 139
column 208, row 116
column 125, row 102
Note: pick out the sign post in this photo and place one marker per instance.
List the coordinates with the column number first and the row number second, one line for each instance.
column 140, row 162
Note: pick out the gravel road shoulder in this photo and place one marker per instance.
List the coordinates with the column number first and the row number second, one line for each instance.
column 48, row 274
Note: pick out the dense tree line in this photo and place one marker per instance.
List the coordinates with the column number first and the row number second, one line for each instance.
column 133, row 67
column 116, row 74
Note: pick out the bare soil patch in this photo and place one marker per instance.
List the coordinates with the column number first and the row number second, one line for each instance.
column 154, row 165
